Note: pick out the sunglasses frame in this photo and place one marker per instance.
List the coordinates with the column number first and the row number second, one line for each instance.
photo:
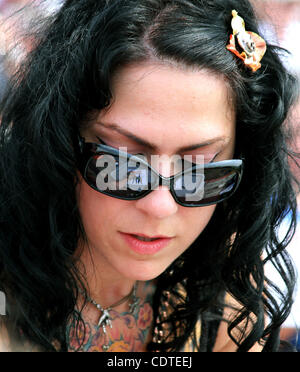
column 89, row 149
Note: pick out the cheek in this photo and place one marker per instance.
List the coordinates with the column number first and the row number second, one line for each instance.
column 195, row 220
column 97, row 211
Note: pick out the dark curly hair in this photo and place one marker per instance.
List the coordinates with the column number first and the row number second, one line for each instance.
column 66, row 76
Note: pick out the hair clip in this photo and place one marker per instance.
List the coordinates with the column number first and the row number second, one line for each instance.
column 254, row 47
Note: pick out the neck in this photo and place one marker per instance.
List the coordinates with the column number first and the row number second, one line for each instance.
column 105, row 286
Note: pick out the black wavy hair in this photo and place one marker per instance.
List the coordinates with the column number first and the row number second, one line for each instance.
column 66, row 76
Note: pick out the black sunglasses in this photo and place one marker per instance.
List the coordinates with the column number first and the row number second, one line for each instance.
column 130, row 177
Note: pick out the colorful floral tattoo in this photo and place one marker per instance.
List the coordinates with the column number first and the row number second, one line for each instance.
column 129, row 332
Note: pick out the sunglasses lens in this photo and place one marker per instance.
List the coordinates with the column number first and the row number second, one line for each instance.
column 210, row 187
column 119, row 176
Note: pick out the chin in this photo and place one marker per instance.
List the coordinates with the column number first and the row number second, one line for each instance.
column 144, row 271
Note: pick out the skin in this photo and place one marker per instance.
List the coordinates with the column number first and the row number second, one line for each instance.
column 171, row 107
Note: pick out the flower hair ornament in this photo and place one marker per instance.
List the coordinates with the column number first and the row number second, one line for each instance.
column 254, row 47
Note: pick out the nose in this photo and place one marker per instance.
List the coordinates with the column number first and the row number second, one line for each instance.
column 159, row 203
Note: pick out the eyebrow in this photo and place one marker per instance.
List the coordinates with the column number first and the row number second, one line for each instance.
column 153, row 147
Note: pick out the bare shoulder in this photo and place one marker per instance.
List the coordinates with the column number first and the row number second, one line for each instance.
column 223, row 342
column 4, row 339
column 8, row 344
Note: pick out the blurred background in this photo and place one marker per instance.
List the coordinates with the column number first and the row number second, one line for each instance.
column 279, row 24
column 17, row 18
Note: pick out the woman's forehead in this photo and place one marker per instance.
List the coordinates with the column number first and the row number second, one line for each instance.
column 166, row 101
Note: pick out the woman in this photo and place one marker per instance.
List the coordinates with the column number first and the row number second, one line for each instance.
column 99, row 252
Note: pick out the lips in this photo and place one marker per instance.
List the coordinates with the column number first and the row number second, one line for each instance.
column 149, row 238
column 145, row 245
column 144, row 239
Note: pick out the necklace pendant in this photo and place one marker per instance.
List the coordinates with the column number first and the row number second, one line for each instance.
column 108, row 323
column 105, row 319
